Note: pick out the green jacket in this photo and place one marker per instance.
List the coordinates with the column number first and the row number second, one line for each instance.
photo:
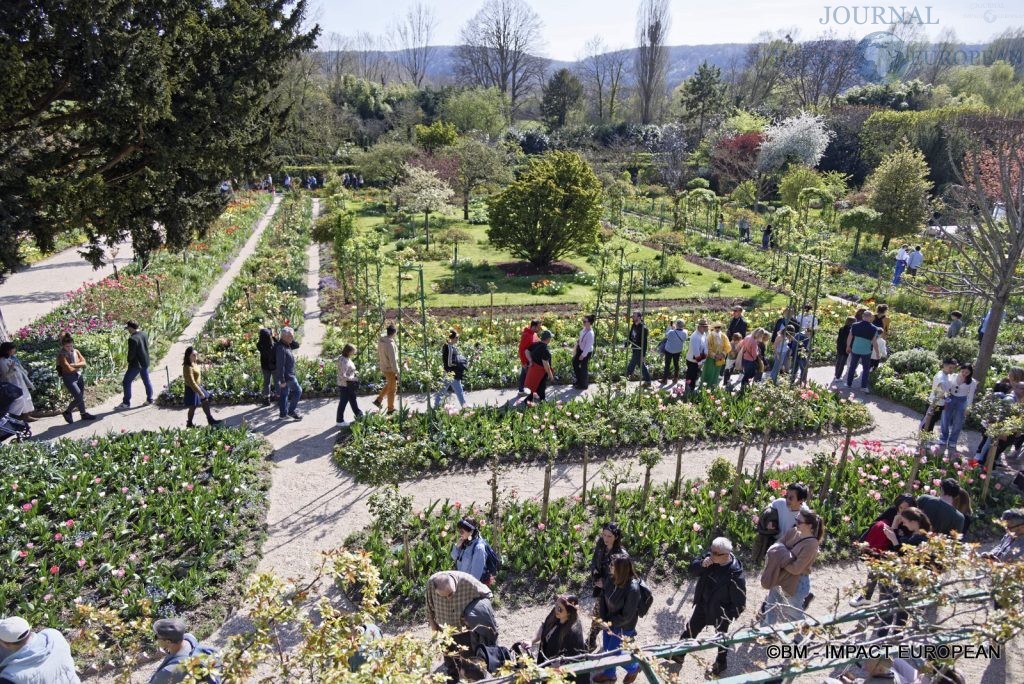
column 138, row 350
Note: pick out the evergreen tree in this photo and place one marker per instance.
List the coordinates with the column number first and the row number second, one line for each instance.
column 703, row 99
column 562, row 93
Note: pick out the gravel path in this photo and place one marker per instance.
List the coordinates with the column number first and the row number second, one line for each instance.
column 312, row 328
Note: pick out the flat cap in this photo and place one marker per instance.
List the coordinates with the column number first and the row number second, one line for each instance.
column 172, row 629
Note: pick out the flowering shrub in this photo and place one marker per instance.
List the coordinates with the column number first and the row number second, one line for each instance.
column 160, row 299
column 378, row 452
column 665, row 534
column 546, row 286
column 131, row 522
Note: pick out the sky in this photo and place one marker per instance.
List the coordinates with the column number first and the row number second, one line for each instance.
column 568, row 24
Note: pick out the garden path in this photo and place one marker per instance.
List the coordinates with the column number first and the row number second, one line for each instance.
column 312, row 328
column 39, row 289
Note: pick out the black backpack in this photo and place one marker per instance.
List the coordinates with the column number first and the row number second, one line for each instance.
column 494, row 657
column 491, row 562
column 646, row 598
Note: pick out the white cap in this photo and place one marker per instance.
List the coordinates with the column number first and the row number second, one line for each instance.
column 14, row 629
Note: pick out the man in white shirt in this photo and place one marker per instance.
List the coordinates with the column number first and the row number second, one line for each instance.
column 901, row 264
column 807, row 320
column 581, row 355
column 695, row 355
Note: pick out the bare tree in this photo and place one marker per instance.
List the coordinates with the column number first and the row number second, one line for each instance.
column 652, row 24
column 339, row 58
column 411, row 37
column 370, row 62
column 819, row 70
column 499, row 49
column 930, row 60
column 989, row 206
column 602, row 70
column 763, row 69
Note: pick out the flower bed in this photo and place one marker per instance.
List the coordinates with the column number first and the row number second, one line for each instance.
column 540, row 559
column 149, row 521
column 160, row 299
column 269, row 291
column 378, row 451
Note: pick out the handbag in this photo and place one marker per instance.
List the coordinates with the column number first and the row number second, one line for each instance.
column 661, row 347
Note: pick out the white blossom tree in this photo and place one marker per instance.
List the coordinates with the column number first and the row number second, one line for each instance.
column 800, row 139
column 422, row 191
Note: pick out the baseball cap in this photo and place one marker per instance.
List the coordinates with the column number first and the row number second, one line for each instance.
column 172, row 629
column 14, row 629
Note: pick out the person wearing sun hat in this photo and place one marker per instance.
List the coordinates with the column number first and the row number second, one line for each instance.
column 174, row 639
column 28, row 657
column 718, row 348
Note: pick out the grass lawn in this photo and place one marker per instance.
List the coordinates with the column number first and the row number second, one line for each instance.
column 479, row 265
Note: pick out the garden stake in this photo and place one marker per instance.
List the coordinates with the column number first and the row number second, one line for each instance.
column 547, row 489
column 989, row 462
column 764, row 455
column 586, row 462
column 643, row 306
column 921, row 455
column 739, row 475
column 159, row 298
column 679, row 469
column 846, row 454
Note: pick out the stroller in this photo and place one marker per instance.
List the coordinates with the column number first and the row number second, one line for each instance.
column 11, row 426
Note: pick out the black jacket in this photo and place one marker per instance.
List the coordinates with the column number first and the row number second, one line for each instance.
column 638, row 338
column 737, row 325
column 265, row 346
column 721, row 589
column 557, row 639
column 601, row 563
column 450, row 357
column 621, row 606
column 138, row 350
column 844, row 334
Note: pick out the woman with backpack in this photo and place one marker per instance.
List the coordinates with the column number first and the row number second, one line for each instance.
column 561, row 634
column 470, row 552
column 787, row 569
column 456, row 364
column 620, row 609
column 608, row 545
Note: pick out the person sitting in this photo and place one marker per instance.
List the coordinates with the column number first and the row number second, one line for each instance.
column 1011, row 546
column 27, row 656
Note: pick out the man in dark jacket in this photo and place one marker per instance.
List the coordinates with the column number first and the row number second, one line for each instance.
column 284, row 371
column 265, row 346
column 637, row 345
column 720, row 596
column 138, row 364
column 173, row 639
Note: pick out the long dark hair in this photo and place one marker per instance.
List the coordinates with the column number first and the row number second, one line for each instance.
column 6, row 349
column 616, row 532
column 470, row 525
column 968, row 367
column 188, row 356
column 890, row 512
column 622, row 569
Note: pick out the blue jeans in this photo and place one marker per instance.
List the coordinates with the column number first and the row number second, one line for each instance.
column 456, row 386
column 611, row 641
column 75, row 385
column 129, row 377
column 782, row 608
column 637, row 359
column 897, row 274
column 799, row 363
column 953, row 414
column 865, row 372
column 780, row 361
column 749, row 371
column 290, row 395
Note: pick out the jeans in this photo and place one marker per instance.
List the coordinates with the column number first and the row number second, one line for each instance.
column 522, row 378
column 290, row 395
column 637, row 359
column 778, row 363
column 390, row 389
column 897, row 274
column 865, row 363
column 581, row 369
column 692, row 374
column 455, row 384
column 672, row 360
column 952, row 422
column 129, row 377
column 749, row 371
column 75, row 384
column 841, row 358
column 347, row 397
column 782, row 608
column 799, row 364
column 611, row 641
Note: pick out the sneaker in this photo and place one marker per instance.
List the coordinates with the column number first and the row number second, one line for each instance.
column 88, row 416
column 283, row 416
column 808, row 599
column 719, row 667
column 215, row 421
column 859, row 601
column 378, row 403
column 342, row 423
column 148, row 402
column 122, row 406
column 390, row 411
column 294, row 416
column 867, row 390
column 68, row 417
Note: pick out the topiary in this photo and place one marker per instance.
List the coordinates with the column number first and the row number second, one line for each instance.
column 915, row 361
column 721, row 472
column 963, row 349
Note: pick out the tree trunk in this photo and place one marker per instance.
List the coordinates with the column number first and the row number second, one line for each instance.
column 885, row 242
column 856, row 243
column 547, row 492
column 586, row 462
column 647, row 488
column 679, row 469
column 739, row 476
column 988, row 341
column 426, row 227
column 465, row 205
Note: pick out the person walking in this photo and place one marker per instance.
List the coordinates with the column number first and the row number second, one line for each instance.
column 841, row 355
column 284, row 371
column 70, row 364
column 737, row 325
column 787, row 569
column 718, row 349
column 138, row 365
column 527, row 339
column 620, row 611
column 956, row 324
column 195, row 394
column 942, row 383
column 457, row 599
column 862, row 341
column 455, row 364
column 800, row 351
column 540, row 371
column 387, row 359
column 607, row 546
column 637, row 345
column 882, row 319
column 696, row 354
column 28, row 657
column 265, row 343
column 581, row 354
column 914, row 260
column 469, row 552
column 561, row 634
column 13, row 372
column 180, row 645
column 780, row 352
column 348, row 383
column 779, row 518
column 749, row 356
column 959, row 398
column 901, row 264
column 720, row 596
column 941, row 510
column 675, row 341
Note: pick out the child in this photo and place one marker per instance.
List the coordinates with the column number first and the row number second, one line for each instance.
column 881, row 354
column 955, row 325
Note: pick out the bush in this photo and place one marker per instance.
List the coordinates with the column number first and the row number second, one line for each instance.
column 915, row 361
column 963, row 349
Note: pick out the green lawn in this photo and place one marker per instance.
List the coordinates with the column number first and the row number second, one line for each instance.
column 479, row 265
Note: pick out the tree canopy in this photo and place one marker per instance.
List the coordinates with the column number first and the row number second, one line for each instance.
column 561, row 94
column 551, row 211
column 118, row 118
column 899, row 193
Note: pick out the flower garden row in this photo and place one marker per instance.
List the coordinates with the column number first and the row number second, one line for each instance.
column 161, row 522
column 379, row 450
column 160, row 297
column 664, row 531
column 269, row 292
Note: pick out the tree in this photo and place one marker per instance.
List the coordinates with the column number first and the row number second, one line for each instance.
column 758, row 85
column 561, row 94
column 478, row 164
column 734, row 158
column 670, row 159
column 651, row 57
column 477, row 110
column 800, row 139
column 422, row 191
column 551, row 211
column 435, row 136
column 989, row 243
column 412, row 37
column 119, row 117
column 703, row 99
column 797, row 178
column 384, row 162
column 899, row 193
column 817, row 71
column 859, row 219
column 602, row 73
column 499, row 48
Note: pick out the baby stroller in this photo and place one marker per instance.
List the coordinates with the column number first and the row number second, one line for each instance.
column 9, row 425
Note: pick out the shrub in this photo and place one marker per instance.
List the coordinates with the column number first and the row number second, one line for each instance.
column 715, row 288
column 963, row 349
column 724, row 278
column 721, row 472
column 915, row 361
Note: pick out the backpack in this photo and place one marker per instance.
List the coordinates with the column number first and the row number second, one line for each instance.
column 491, row 563
column 197, row 651
column 646, row 598
column 494, row 657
